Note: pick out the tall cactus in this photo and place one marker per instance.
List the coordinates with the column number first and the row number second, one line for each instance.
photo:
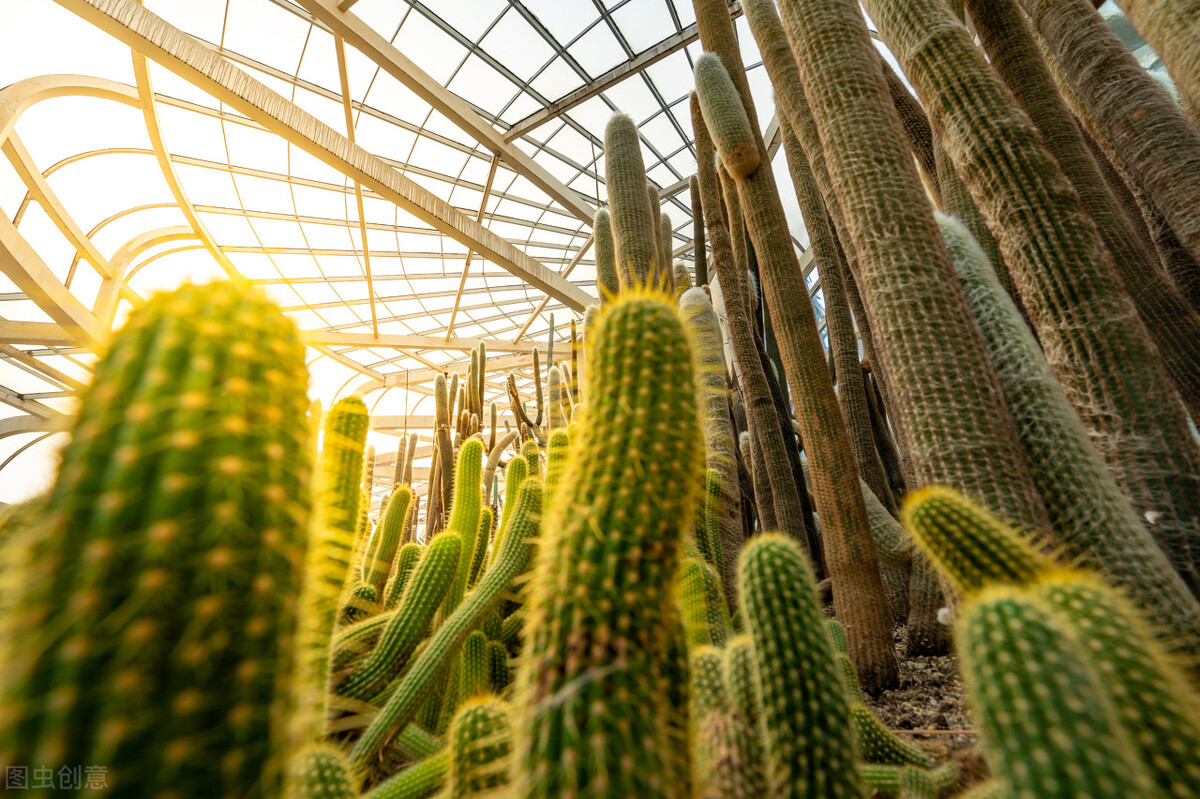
column 464, row 516
column 1087, row 325
column 165, row 568
column 606, row 257
column 849, row 551
column 599, row 662
column 633, row 220
column 1091, row 518
column 389, row 531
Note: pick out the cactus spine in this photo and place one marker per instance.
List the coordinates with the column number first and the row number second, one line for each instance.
column 165, row 567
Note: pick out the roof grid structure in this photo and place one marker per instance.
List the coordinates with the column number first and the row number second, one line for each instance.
column 496, row 108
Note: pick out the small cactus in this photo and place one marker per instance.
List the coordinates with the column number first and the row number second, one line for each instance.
column 320, row 772
column 480, row 743
column 809, row 742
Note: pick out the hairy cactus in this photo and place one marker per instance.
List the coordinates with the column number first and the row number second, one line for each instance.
column 416, row 684
column 532, row 454
column 480, row 743
column 633, row 220
column 430, row 583
column 606, row 258
column 809, row 742
column 164, row 569
column 1048, row 725
column 601, row 614
column 1091, row 518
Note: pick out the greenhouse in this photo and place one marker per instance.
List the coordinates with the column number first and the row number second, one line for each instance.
column 600, row 398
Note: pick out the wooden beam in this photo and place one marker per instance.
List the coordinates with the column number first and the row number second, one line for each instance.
column 408, row 342
column 146, row 33
column 388, row 56
column 22, row 265
column 45, row 333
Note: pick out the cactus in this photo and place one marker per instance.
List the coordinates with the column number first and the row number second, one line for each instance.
column 878, row 744
column 666, row 231
column 848, row 549
column 707, row 700
column 1048, row 725
column 405, row 562
column 606, row 258
column 430, row 583
column 164, row 568
column 698, row 594
column 725, row 540
column 605, row 573
column 745, row 714
column 480, row 742
column 464, row 517
column 387, row 538
column 809, row 742
column 632, row 219
column 320, row 772
column 422, row 779
column 500, row 674
column 514, row 477
column 532, row 453
column 556, row 460
column 352, row 643
column 700, row 250
column 445, row 642
column 1092, row 520
column 908, row 781
column 482, row 539
column 1153, row 699
column 471, row 675
column 362, row 603
column 1087, row 324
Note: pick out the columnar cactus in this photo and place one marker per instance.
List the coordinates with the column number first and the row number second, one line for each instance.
column 809, row 741
column 704, row 613
column 1049, row 726
column 633, row 220
column 464, row 516
column 480, row 742
column 849, row 551
column 320, row 772
column 165, row 568
column 483, row 539
column 415, row 686
column 606, row 258
column 1092, row 520
column 601, row 656
column 402, row 569
column 556, row 460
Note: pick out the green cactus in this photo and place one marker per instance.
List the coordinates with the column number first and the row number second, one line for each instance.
column 556, row 460
column 514, row 476
column 464, row 517
column 600, row 611
column 1154, row 700
column 363, row 603
column 422, row 779
column 745, row 714
column 320, row 772
column 387, row 538
column 470, row 677
column 415, row 686
column 633, row 220
column 329, row 557
column 405, row 562
column 809, row 740
column 1048, row 725
column 480, row 743
column 500, row 673
column 532, row 454
column 908, row 781
column 878, row 744
column 554, row 399
column 164, row 569
column 895, row 547
column 702, row 604
column 483, row 539
column 968, row 545
column 1092, row 520
column 666, row 232
column 606, row 258
column 430, row 583
column 727, row 122
column 707, row 696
